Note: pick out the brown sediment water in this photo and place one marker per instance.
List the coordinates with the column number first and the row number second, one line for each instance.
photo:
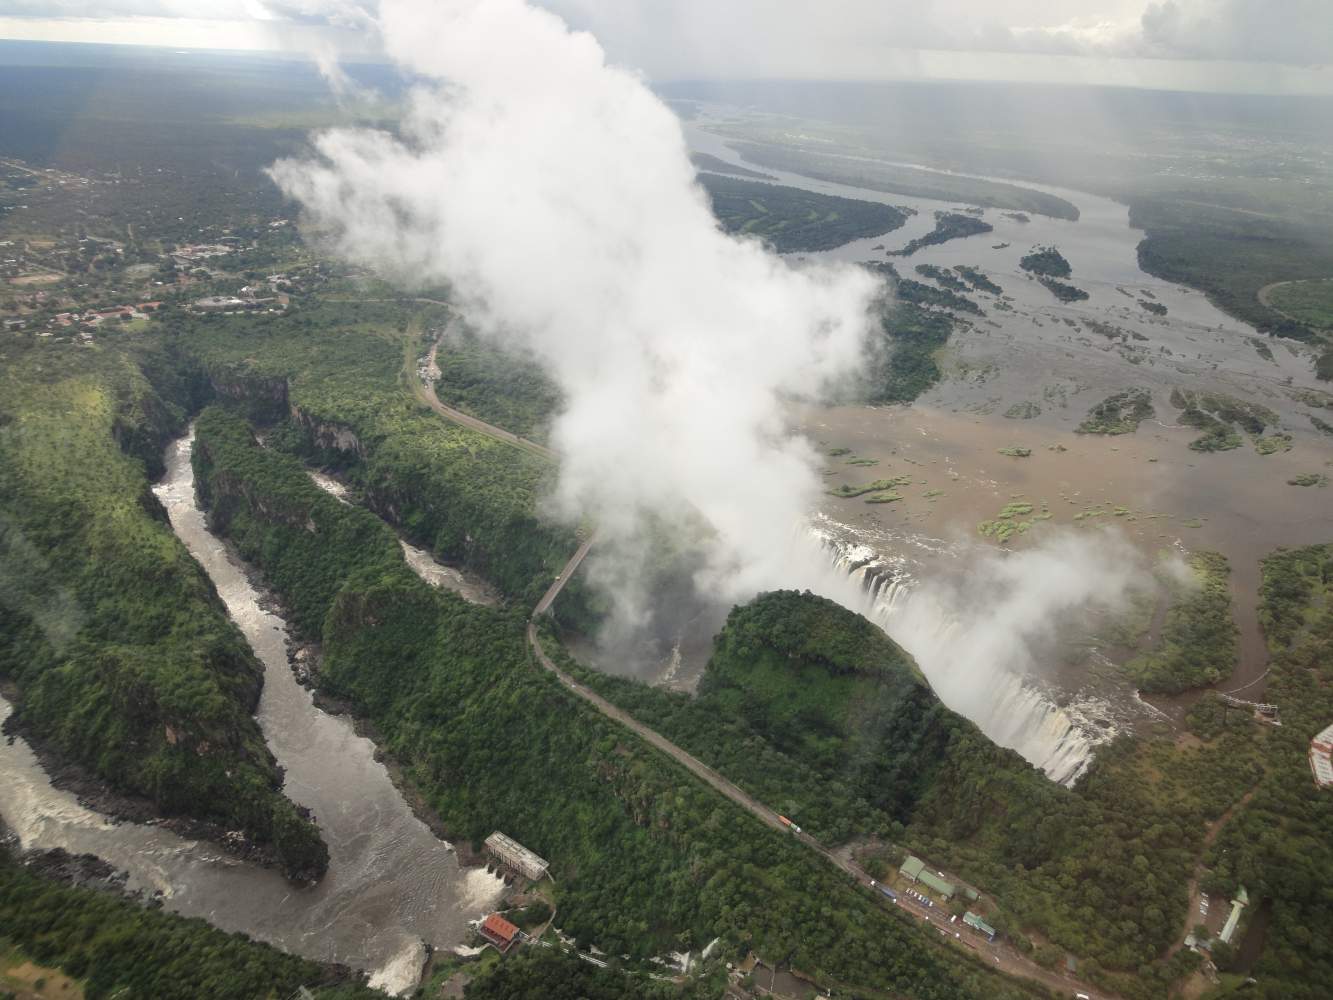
column 1031, row 354
column 392, row 886
column 1147, row 487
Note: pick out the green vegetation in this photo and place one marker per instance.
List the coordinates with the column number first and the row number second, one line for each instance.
column 1015, row 518
column 1308, row 479
column 642, row 855
column 1197, row 644
column 1157, row 309
column 903, row 365
column 1277, row 846
column 1026, row 410
column 336, row 370
column 978, row 279
column 789, row 219
column 1118, row 414
column 948, row 226
column 1218, row 415
column 555, row 974
column 1273, row 443
column 1047, row 262
column 504, row 389
column 944, row 276
column 122, row 655
column 1308, row 302
column 1323, row 366
column 1016, row 452
column 1062, row 291
column 920, row 294
column 118, row 948
column 1233, row 255
column 845, row 490
column 807, row 706
column 910, row 181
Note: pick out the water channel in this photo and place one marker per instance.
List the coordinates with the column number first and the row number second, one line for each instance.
column 1053, row 361
column 392, row 887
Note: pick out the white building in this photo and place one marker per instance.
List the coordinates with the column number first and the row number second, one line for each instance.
column 510, row 852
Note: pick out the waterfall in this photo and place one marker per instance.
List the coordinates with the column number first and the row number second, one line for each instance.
column 970, row 654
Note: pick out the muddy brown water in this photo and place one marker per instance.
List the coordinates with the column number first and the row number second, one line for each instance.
column 392, row 886
column 1235, row 502
column 1033, row 351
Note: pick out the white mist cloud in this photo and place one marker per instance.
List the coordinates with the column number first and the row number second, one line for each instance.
column 983, row 631
column 555, row 194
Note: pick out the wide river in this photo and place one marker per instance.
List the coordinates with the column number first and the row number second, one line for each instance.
column 392, row 886
column 1026, row 373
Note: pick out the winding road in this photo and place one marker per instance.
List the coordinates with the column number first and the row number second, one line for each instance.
column 1003, row 957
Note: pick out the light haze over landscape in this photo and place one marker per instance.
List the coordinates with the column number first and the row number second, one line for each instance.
column 514, row 498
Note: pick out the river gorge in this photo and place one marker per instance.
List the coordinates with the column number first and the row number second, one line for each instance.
column 392, row 888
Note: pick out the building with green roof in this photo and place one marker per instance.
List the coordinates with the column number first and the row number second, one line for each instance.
column 915, row 869
column 977, row 924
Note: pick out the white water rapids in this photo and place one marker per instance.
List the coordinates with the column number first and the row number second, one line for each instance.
column 1009, row 707
column 392, row 887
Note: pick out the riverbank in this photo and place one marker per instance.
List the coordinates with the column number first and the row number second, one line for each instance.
column 97, row 796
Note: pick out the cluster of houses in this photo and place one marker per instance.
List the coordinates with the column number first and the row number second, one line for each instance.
column 96, row 317
column 193, row 253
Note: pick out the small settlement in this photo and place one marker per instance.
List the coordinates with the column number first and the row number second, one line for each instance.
column 512, row 860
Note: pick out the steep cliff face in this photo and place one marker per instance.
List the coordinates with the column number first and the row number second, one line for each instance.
column 119, row 655
column 262, row 397
column 326, row 435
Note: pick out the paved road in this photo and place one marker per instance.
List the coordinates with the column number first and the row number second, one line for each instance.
column 1004, row 958
column 425, row 391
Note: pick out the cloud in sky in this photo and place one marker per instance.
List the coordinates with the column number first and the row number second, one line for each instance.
column 1115, row 41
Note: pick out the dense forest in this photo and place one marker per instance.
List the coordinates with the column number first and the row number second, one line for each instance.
column 810, row 708
column 902, row 364
column 510, row 391
column 790, row 219
column 120, row 655
column 117, row 947
column 948, row 226
column 1278, row 847
column 1197, row 642
column 338, row 368
column 1047, row 262
column 644, row 860
column 451, row 689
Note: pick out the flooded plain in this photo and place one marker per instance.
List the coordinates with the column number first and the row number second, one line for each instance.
column 392, row 886
column 1023, row 376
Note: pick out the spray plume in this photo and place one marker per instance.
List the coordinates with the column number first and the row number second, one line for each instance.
column 554, row 193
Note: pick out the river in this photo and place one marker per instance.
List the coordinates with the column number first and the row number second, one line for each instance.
column 392, row 886
column 1051, row 362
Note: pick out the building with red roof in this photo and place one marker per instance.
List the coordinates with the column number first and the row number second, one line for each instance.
column 499, row 932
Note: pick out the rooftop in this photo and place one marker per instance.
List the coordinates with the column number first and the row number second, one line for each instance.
column 972, row 920
column 498, row 927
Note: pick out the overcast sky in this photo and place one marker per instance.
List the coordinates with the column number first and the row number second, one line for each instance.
column 1245, row 45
